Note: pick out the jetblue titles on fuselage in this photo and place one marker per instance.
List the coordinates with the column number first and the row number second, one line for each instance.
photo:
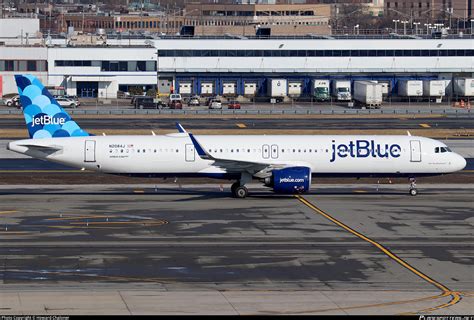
column 364, row 149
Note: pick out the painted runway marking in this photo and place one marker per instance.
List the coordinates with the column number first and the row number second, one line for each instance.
column 425, row 125
column 241, row 125
column 455, row 296
column 7, row 212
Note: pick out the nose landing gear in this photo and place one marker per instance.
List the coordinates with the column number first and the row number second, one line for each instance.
column 413, row 189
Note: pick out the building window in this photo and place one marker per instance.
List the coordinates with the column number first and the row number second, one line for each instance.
column 31, row 65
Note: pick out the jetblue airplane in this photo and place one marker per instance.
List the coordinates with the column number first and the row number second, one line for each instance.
column 285, row 163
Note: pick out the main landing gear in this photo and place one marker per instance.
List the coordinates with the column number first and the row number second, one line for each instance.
column 413, row 190
column 238, row 188
column 239, row 191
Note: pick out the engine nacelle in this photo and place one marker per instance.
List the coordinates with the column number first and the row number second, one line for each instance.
column 290, row 180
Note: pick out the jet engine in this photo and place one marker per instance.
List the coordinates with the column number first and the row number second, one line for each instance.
column 290, row 180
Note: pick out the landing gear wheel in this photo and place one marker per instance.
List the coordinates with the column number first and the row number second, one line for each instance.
column 241, row 192
column 234, row 186
column 413, row 190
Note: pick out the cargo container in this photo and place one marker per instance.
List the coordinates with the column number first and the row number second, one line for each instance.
column 250, row 88
column 368, row 94
column 185, row 88
column 207, row 88
column 434, row 88
column 410, row 88
column 341, row 90
column 385, row 86
column 229, row 88
column 277, row 88
column 320, row 89
column 464, row 87
column 295, row 88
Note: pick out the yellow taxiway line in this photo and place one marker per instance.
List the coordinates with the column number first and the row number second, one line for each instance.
column 455, row 296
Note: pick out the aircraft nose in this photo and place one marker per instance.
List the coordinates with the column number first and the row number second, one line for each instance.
column 460, row 162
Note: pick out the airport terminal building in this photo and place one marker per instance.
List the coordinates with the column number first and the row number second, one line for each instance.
column 231, row 66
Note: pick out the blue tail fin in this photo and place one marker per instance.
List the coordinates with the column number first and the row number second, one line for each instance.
column 43, row 115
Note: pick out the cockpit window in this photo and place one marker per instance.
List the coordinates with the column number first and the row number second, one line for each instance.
column 442, row 149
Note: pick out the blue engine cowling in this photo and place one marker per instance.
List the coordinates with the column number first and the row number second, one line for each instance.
column 291, row 180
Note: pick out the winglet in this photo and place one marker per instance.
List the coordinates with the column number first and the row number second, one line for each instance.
column 180, row 128
column 199, row 149
column 408, row 132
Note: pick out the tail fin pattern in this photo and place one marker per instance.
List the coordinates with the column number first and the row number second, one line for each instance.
column 44, row 117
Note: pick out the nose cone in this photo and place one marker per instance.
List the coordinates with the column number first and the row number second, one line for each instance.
column 460, row 162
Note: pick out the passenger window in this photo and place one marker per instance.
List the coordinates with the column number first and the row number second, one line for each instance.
column 248, row 150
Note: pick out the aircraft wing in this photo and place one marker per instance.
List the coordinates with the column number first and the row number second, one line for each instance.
column 259, row 169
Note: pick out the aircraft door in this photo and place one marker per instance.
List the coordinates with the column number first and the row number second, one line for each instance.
column 89, row 151
column 190, row 154
column 266, row 151
column 274, row 151
column 415, row 151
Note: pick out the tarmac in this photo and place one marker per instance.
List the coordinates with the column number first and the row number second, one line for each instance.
column 192, row 249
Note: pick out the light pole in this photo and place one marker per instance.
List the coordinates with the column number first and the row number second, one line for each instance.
column 404, row 26
column 396, row 21
column 428, row 26
column 438, row 26
column 356, row 27
column 416, row 24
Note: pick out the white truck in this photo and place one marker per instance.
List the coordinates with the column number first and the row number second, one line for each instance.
column 321, row 90
column 410, row 88
column 341, row 90
column 368, row 94
column 434, row 88
column 277, row 89
column 464, row 87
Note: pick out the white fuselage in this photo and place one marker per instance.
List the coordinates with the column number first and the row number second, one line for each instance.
column 174, row 154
